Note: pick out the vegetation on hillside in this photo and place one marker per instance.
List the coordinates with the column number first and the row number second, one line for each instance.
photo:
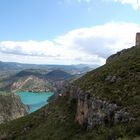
column 117, row 81
column 11, row 107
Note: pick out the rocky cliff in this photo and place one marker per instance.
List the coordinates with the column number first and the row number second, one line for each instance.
column 93, row 111
column 11, row 107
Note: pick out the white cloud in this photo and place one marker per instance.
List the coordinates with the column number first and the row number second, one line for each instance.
column 134, row 3
column 86, row 45
column 101, row 40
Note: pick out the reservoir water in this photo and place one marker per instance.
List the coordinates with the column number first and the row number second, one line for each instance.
column 34, row 100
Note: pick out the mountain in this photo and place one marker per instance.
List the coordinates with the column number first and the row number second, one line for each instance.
column 73, row 69
column 8, row 70
column 104, row 104
column 35, row 72
column 11, row 107
column 58, row 75
column 30, row 83
column 35, row 80
column 27, row 80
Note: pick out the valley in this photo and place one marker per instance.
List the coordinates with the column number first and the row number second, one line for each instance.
column 35, row 85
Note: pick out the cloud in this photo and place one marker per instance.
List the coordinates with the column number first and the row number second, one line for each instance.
column 101, row 40
column 85, row 45
column 134, row 3
column 44, row 52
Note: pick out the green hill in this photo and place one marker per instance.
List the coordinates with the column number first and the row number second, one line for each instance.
column 58, row 75
column 37, row 80
column 118, row 80
column 26, row 80
column 102, row 105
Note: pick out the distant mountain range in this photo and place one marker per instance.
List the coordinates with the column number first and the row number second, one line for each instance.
column 35, row 80
column 4, row 66
column 11, row 71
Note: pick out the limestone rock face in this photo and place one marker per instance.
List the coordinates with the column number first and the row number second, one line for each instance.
column 11, row 107
column 93, row 111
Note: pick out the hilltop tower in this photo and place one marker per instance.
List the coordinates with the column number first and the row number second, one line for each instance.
column 138, row 39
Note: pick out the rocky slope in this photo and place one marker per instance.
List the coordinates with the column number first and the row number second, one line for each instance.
column 39, row 81
column 30, row 83
column 35, row 80
column 102, row 105
column 93, row 111
column 11, row 107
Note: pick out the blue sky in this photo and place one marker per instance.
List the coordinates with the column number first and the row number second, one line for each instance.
column 66, row 31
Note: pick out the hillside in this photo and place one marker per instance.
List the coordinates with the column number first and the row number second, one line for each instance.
column 30, row 83
column 34, row 72
column 58, row 75
column 117, row 81
column 102, row 105
column 11, row 107
column 26, row 80
column 37, row 80
column 25, row 77
column 16, row 67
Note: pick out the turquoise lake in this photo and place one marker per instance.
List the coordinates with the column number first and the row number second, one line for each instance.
column 34, row 100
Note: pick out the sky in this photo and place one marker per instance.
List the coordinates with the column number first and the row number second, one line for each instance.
column 66, row 31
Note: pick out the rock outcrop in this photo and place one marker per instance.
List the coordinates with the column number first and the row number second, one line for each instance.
column 94, row 111
column 11, row 107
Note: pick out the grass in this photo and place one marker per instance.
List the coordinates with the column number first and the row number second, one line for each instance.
column 125, row 89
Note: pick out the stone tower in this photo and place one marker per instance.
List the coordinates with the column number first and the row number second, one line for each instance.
column 138, row 39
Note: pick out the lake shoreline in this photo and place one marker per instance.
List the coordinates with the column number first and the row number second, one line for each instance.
column 34, row 100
